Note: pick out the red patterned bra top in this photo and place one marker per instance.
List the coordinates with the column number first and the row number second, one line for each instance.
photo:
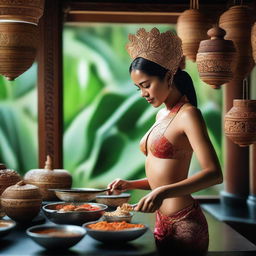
column 160, row 146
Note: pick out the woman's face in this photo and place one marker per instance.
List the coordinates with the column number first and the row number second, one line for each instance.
column 152, row 89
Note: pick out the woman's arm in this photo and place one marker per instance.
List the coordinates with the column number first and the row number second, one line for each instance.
column 118, row 185
column 195, row 129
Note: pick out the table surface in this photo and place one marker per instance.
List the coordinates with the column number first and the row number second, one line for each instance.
column 223, row 241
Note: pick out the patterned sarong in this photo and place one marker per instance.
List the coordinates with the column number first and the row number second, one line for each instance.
column 183, row 233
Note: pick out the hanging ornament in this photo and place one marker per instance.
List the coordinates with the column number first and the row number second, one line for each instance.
column 216, row 58
column 237, row 23
column 18, row 45
column 19, row 35
column 192, row 26
column 240, row 120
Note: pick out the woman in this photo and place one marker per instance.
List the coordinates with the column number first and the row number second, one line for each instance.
column 179, row 131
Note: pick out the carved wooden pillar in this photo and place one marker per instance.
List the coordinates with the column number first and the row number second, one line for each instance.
column 236, row 167
column 252, row 198
column 50, row 84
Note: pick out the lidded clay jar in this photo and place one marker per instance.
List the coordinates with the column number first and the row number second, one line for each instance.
column 49, row 178
column 8, row 177
column 216, row 58
column 21, row 202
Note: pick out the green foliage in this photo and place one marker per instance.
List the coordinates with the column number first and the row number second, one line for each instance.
column 104, row 117
column 18, row 126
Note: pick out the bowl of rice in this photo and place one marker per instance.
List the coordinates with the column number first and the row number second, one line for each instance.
column 122, row 213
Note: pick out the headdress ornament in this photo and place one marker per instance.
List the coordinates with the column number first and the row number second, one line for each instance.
column 161, row 48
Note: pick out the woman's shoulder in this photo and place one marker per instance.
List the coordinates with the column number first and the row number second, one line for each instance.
column 191, row 112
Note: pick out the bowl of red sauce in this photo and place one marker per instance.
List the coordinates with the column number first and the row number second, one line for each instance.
column 114, row 232
column 73, row 213
column 56, row 237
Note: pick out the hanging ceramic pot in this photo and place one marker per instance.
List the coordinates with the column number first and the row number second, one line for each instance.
column 18, row 46
column 21, row 202
column 216, row 58
column 253, row 41
column 240, row 122
column 237, row 23
column 49, row 178
column 192, row 26
column 21, row 10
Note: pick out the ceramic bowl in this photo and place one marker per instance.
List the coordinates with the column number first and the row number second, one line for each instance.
column 78, row 194
column 6, row 226
column 107, row 236
column 72, row 217
column 113, row 200
column 118, row 218
column 56, row 236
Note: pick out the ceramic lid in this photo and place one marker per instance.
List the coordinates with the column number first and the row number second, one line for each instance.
column 21, row 190
column 216, row 43
column 48, row 174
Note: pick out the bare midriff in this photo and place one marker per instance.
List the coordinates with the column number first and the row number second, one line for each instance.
column 162, row 172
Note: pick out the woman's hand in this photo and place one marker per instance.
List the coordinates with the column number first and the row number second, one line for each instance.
column 152, row 201
column 118, row 186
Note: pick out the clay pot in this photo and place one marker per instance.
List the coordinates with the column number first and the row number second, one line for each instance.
column 48, row 178
column 240, row 122
column 21, row 202
column 18, row 46
column 192, row 26
column 22, row 10
column 8, row 178
column 237, row 23
column 216, row 58
column 253, row 41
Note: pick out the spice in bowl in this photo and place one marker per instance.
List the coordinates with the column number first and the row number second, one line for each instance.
column 113, row 226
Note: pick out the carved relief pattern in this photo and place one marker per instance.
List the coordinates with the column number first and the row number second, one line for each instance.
column 253, row 39
column 207, row 64
column 49, row 89
column 240, row 126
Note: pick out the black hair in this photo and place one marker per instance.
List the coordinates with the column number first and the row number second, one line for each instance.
column 181, row 79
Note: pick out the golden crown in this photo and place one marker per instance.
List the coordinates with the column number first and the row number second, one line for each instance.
column 161, row 48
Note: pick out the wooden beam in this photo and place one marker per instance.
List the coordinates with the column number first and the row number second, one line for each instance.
column 50, row 84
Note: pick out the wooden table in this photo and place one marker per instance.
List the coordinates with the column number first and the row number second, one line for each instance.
column 224, row 241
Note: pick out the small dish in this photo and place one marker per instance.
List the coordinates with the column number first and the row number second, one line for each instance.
column 78, row 194
column 6, row 226
column 113, row 200
column 117, row 218
column 72, row 217
column 110, row 236
column 56, row 237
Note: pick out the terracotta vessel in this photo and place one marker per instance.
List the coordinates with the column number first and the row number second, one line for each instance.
column 192, row 26
column 49, row 178
column 8, row 177
column 237, row 23
column 253, row 41
column 216, row 58
column 240, row 122
column 21, row 202
column 18, row 46
column 21, row 10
